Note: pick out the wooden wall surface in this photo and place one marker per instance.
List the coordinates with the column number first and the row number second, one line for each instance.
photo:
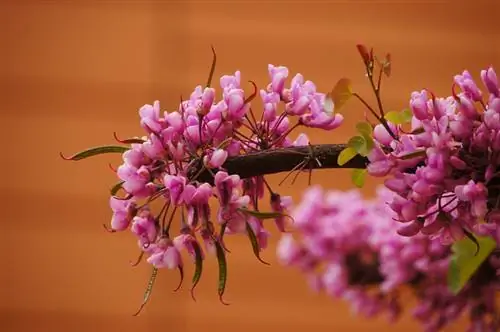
column 74, row 72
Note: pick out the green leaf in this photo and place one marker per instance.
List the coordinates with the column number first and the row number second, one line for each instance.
column 399, row 118
column 255, row 243
column 394, row 117
column 149, row 290
column 466, row 260
column 346, row 155
column 221, row 260
column 114, row 190
column 96, row 151
column 358, row 177
column 406, row 115
column 262, row 215
column 356, row 142
column 361, row 144
column 341, row 92
column 198, row 262
column 364, row 128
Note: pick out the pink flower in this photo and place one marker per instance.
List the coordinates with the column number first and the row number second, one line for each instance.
column 468, row 86
column 123, row 212
column 197, row 195
column 166, row 255
column 144, row 227
column 225, row 184
column 489, row 78
column 175, row 185
column 278, row 75
column 215, row 159
column 150, row 117
column 135, row 180
column 474, row 193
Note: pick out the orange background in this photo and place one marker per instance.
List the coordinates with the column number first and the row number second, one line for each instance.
column 74, row 72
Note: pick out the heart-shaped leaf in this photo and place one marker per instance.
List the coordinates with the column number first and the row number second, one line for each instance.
column 358, row 177
column 346, row 155
column 364, row 128
column 466, row 259
column 341, row 92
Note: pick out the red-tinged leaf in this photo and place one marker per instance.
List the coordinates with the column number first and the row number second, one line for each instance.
column 363, row 51
column 134, row 140
column 198, row 261
column 221, row 260
column 149, row 290
column 95, row 151
column 138, row 260
column 181, row 272
column 212, row 67
column 252, row 96
column 255, row 243
column 110, row 230
column 341, row 93
column 114, row 190
column 387, row 65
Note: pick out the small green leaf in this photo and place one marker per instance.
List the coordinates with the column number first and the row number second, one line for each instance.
column 346, row 155
column 255, row 243
column 406, row 115
column 358, row 177
column 96, row 151
column 364, row 128
column 149, row 290
column 415, row 154
column 466, row 260
column 262, row 215
column 361, row 144
column 114, row 190
column 356, row 142
column 198, row 261
column 221, row 260
column 394, row 117
column 341, row 92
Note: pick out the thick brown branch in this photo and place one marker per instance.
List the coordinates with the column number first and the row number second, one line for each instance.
column 285, row 159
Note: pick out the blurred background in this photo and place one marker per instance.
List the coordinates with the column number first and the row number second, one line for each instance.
column 72, row 72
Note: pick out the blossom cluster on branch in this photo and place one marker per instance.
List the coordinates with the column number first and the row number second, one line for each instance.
column 439, row 157
column 348, row 247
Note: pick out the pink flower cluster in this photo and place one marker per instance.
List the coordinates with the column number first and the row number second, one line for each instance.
column 449, row 158
column 206, row 129
column 349, row 248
